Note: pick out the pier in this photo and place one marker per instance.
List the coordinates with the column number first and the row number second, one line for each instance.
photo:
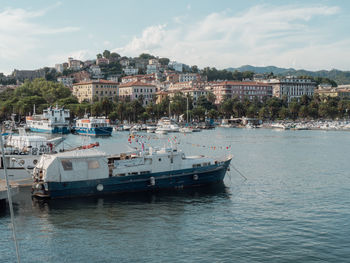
column 3, row 193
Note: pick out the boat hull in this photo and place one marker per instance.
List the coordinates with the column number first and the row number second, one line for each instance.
column 99, row 131
column 177, row 179
column 56, row 129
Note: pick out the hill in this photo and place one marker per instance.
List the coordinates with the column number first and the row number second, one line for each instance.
column 341, row 77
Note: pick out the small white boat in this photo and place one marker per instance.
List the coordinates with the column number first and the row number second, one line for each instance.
column 186, row 130
column 151, row 128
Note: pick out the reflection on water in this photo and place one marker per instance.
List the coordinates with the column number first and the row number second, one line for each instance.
column 294, row 207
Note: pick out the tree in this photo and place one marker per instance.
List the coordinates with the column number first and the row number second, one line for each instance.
column 146, row 56
column 213, row 114
column 238, row 109
column 164, row 61
column 199, row 112
column 106, row 106
column 99, row 56
column 294, row 107
column 194, row 69
column 283, row 113
column 106, row 54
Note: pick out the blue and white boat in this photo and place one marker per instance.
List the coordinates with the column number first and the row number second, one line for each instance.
column 53, row 120
column 93, row 126
column 90, row 172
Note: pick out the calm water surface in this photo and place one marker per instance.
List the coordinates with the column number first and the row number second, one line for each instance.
column 293, row 207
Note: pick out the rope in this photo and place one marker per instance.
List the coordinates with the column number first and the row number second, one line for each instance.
column 234, row 168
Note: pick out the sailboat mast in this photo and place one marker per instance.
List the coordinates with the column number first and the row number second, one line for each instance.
column 187, row 108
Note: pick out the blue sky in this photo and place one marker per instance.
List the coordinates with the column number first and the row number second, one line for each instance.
column 311, row 35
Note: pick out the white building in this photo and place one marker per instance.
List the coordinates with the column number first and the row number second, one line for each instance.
column 66, row 81
column 176, row 66
column 189, row 77
column 59, row 68
column 130, row 71
column 292, row 87
column 96, row 72
column 152, row 68
column 134, row 90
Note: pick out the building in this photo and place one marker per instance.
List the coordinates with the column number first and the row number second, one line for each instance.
column 74, row 64
column 113, row 78
column 102, row 61
column 176, row 66
column 66, row 81
column 153, row 68
column 133, row 91
column 96, row 72
column 186, row 85
column 292, row 87
column 87, row 91
column 124, row 62
column 130, row 71
column 241, row 90
column 150, row 79
column 173, row 78
column 59, row 68
column 22, row 75
column 189, row 77
column 334, row 92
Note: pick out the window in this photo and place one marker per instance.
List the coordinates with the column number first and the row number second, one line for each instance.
column 67, row 165
column 93, row 164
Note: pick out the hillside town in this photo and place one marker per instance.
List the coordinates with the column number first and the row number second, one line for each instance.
column 153, row 80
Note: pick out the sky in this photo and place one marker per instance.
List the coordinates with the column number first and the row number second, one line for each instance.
column 312, row 35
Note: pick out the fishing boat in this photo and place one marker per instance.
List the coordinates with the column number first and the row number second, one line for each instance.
column 93, row 126
column 53, row 120
column 22, row 153
column 91, row 172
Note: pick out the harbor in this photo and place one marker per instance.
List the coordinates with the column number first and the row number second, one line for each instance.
column 294, row 199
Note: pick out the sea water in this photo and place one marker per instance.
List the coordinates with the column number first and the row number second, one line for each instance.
column 289, row 202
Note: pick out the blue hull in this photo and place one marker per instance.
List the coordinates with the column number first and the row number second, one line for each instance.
column 99, row 131
column 61, row 130
column 139, row 183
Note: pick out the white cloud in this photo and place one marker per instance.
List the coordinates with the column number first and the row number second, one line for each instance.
column 263, row 35
column 82, row 55
column 20, row 34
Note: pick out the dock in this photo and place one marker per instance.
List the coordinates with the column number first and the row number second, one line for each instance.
column 3, row 192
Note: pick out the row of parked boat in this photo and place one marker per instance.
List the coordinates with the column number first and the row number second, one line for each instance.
column 57, row 120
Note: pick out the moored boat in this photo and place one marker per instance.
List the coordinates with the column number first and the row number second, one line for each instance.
column 93, row 126
column 53, row 120
column 22, row 153
column 88, row 172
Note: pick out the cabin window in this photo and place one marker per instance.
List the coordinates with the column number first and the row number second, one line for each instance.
column 145, row 172
column 93, row 164
column 196, row 165
column 160, row 159
column 67, row 165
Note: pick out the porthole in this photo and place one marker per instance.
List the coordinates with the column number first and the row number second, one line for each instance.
column 35, row 161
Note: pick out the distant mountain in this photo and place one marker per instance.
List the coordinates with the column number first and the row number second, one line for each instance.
column 341, row 77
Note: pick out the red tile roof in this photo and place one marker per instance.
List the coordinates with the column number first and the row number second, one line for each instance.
column 135, row 83
column 244, row 83
column 100, row 81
